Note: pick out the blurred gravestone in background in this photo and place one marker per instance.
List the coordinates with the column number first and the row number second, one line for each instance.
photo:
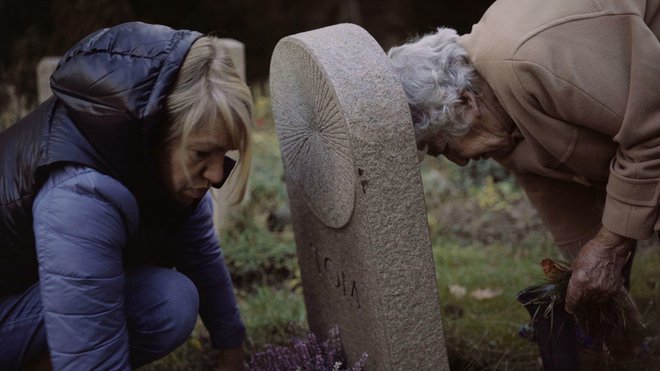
column 32, row 29
column 45, row 69
column 236, row 52
column 356, row 198
column 222, row 208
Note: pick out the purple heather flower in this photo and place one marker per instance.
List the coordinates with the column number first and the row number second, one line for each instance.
column 308, row 354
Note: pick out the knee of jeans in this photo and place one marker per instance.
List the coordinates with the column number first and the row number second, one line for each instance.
column 166, row 313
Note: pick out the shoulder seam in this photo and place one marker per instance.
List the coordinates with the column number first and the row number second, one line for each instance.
column 515, row 72
column 557, row 22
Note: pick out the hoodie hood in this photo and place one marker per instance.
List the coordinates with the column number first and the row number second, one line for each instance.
column 114, row 86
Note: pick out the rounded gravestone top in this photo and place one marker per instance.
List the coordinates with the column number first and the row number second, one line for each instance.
column 328, row 87
column 313, row 133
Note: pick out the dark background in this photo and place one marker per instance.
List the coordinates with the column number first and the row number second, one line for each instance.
column 31, row 29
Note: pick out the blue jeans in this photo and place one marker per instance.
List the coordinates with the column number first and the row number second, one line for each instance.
column 161, row 310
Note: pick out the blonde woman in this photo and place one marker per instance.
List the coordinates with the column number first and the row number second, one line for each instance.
column 105, row 190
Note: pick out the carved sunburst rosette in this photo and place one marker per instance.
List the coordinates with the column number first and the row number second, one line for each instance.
column 313, row 133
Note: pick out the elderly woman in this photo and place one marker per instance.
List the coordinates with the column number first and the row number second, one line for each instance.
column 564, row 94
column 105, row 189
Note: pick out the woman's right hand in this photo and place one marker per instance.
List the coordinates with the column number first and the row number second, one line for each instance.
column 597, row 269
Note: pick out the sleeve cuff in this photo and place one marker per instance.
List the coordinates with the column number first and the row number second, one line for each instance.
column 631, row 207
column 632, row 221
column 636, row 192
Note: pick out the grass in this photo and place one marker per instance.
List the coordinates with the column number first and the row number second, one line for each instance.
column 482, row 333
column 273, row 316
column 498, row 246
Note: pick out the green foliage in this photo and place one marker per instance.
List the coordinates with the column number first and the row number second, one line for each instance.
column 478, row 203
column 254, row 254
column 273, row 316
column 267, row 175
column 475, row 173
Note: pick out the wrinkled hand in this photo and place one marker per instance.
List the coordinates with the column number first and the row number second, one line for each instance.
column 231, row 359
column 597, row 269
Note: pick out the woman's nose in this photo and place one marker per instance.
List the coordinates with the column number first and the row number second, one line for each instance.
column 214, row 171
column 436, row 145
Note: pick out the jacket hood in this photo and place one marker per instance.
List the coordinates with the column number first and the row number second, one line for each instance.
column 114, row 86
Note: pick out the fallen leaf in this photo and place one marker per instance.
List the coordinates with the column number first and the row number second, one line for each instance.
column 457, row 291
column 485, row 294
column 554, row 270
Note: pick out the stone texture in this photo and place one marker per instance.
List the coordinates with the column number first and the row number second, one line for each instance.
column 45, row 68
column 236, row 51
column 356, row 198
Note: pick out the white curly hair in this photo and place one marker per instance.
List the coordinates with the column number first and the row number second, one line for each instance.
column 435, row 72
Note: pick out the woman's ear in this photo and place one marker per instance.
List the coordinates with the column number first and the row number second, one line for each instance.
column 471, row 113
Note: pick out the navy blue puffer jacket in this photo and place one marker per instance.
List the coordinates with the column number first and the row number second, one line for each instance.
column 110, row 93
column 93, row 146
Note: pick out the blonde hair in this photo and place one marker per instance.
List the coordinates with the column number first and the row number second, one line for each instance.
column 209, row 92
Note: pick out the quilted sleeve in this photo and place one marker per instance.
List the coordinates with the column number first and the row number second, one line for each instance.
column 200, row 258
column 82, row 220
